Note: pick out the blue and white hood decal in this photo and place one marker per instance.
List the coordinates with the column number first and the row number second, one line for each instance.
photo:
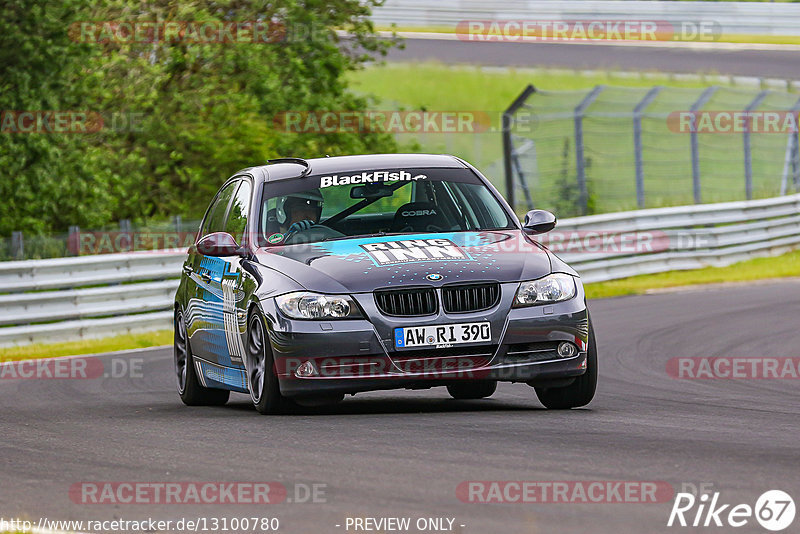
column 363, row 264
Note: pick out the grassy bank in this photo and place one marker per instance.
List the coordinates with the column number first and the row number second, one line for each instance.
column 87, row 346
column 787, row 265
column 724, row 38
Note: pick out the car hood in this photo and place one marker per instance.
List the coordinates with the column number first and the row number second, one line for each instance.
column 360, row 265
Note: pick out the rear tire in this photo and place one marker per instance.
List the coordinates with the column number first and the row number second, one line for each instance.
column 191, row 391
column 472, row 390
column 581, row 391
column 262, row 378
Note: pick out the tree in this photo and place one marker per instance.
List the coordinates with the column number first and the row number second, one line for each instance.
column 180, row 115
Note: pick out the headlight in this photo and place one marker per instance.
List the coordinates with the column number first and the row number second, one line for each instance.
column 552, row 288
column 305, row 305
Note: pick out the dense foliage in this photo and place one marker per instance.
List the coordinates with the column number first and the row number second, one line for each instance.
column 179, row 116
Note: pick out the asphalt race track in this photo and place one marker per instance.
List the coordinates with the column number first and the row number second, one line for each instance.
column 402, row 454
column 740, row 61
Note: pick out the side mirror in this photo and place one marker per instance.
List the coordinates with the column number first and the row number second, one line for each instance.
column 218, row 244
column 538, row 222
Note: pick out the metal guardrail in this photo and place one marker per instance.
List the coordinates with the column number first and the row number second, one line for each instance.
column 44, row 301
column 750, row 18
column 679, row 238
column 49, row 301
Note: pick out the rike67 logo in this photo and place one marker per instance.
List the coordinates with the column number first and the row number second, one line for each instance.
column 774, row 510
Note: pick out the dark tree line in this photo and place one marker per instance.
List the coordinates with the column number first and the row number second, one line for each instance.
column 168, row 119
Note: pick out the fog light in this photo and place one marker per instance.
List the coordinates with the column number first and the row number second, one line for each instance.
column 305, row 370
column 567, row 350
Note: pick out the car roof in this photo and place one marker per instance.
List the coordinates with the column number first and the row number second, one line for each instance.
column 282, row 169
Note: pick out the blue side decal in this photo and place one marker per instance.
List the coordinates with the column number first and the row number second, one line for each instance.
column 221, row 377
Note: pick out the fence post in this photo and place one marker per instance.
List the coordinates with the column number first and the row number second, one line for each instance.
column 508, row 144
column 74, row 240
column 796, row 163
column 178, row 222
column 699, row 103
column 790, row 160
column 796, row 149
column 583, row 198
column 17, row 246
column 748, row 161
column 523, row 180
column 637, row 141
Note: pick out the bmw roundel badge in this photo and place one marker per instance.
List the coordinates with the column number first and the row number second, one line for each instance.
column 434, row 277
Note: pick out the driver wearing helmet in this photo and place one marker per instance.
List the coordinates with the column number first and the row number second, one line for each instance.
column 299, row 211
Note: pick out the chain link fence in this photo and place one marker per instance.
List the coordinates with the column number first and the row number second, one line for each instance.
column 614, row 149
column 121, row 237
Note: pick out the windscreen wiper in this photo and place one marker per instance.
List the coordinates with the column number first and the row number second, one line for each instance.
column 376, row 234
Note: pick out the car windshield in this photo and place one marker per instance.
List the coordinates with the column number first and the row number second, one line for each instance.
column 382, row 202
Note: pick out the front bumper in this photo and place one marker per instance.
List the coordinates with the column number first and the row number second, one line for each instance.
column 350, row 356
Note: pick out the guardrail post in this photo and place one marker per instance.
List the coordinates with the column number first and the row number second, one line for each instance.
column 637, row 141
column 17, row 246
column 508, row 144
column 580, row 163
column 748, row 161
column 699, row 103
column 178, row 222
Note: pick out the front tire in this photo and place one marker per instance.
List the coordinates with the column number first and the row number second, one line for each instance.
column 262, row 378
column 472, row 390
column 190, row 389
column 581, row 391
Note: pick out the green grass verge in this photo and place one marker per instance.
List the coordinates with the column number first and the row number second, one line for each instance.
column 786, row 265
column 88, row 346
column 725, row 38
column 435, row 86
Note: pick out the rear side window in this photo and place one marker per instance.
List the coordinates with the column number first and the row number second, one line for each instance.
column 215, row 219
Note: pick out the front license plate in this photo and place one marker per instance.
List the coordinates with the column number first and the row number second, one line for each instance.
column 448, row 334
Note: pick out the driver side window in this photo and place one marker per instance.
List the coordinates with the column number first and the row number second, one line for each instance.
column 236, row 224
column 215, row 218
